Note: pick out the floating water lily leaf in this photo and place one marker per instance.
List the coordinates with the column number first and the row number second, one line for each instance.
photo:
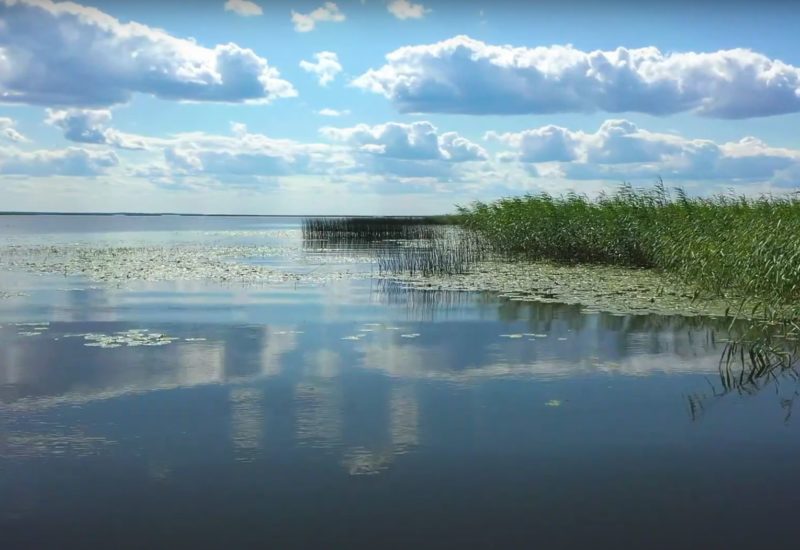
column 130, row 338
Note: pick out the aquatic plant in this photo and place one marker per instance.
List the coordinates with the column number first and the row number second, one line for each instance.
column 448, row 251
column 368, row 229
column 740, row 249
column 401, row 245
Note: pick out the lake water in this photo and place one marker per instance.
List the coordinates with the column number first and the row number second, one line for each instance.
column 349, row 412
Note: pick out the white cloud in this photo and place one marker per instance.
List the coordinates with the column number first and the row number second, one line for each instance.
column 8, row 131
column 418, row 155
column 60, row 162
column 91, row 126
column 407, row 151
column 463, row 75
column 548, row 143
column 305, row 22
column 71, row 55
column 325, row 69
column 247, row 153
column 404, row 9
column 416, row 141
column 81, row 125
column 404, row 150
column 619, row 150
column 243, row 8
column 414, row 150
column 333, row 112
column 238, row 128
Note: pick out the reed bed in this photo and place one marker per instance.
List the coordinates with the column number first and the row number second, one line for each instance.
column 358, row 230
column 410, row 246
column 449, row 251
column 745, row 251
column 741, row 249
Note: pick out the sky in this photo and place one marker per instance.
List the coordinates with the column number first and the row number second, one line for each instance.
column 389, row 106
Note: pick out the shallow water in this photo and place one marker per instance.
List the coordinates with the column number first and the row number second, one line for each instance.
column 350, row 412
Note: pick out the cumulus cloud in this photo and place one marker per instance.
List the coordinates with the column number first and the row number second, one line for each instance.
column 463, row 75
column 326, row 68
column 306, row 22
column 243, row 8
column 621, row 150
column 419, row 154
column 91, row 126
column 414, row 150
column 404, row 9
column 333, row 112
column 416, row 141
column 72, row 161
column 66, row 54
column 545, row 144
column 246, row 153
column 9, row 132
column 404, row 150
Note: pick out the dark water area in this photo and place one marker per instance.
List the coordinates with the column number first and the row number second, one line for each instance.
column 358, row 414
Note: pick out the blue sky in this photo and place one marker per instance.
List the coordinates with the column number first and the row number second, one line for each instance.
column 388, row 107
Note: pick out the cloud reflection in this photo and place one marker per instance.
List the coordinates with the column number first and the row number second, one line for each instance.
column 358, row 402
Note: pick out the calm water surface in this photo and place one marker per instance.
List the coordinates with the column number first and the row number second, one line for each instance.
column 357, row 414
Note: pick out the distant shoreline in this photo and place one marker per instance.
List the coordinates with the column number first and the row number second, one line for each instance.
column 200, row 215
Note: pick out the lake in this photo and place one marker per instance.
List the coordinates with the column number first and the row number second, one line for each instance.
column 317, row 405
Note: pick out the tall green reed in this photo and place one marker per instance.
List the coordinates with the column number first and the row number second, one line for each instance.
column 730, row 246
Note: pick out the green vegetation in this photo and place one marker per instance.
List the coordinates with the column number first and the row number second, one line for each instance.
column 368, row 229
column 412, row 245
column 447, row 251
column 746, row 251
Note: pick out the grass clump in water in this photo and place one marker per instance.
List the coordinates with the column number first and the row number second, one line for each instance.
column 415, row 246
column 368, row 229
column 448, row 251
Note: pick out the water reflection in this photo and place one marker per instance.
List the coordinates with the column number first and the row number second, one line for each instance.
column 499, row 416
column 404, row 418
column 247, row 422
column 748, row 369
column 302, row 386
column 286, row 386
column 319, row 411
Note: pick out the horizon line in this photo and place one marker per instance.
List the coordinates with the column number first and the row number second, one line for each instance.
column 195, row 214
